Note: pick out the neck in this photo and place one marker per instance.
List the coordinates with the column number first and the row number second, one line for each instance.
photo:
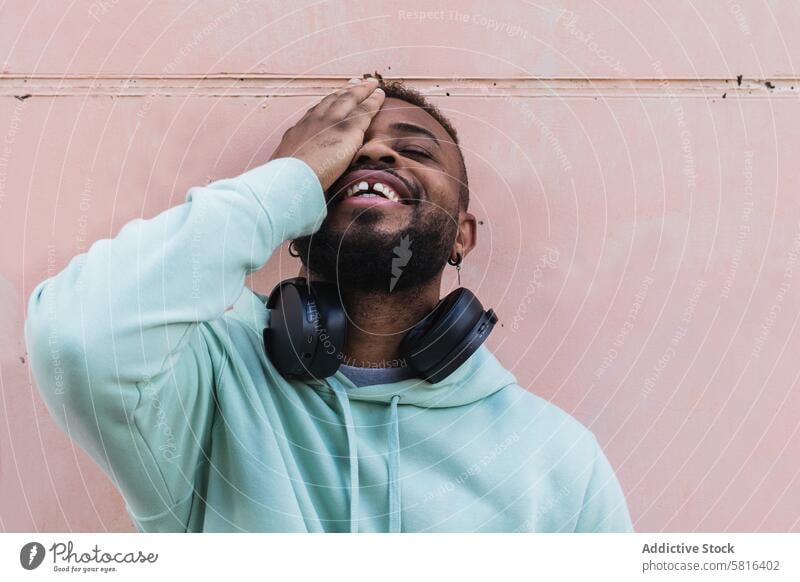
column 378, row 321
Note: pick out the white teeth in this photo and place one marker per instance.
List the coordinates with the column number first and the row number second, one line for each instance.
column 363, row 189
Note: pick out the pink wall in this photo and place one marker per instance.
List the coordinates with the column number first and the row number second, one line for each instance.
column 641, row 227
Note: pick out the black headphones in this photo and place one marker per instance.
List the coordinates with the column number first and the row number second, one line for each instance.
column 307, row 327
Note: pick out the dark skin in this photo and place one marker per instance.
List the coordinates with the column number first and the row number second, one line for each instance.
column 360, row 119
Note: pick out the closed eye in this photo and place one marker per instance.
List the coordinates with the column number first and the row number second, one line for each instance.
column 416, row 152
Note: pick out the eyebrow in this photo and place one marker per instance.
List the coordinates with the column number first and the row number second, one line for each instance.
column 413, row 128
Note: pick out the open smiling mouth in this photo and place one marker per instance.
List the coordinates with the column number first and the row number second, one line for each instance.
column 372, row 187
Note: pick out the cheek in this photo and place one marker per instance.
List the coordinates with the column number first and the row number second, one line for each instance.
column 442, row 191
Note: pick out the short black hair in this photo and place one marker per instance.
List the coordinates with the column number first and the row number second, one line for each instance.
column 398, row 90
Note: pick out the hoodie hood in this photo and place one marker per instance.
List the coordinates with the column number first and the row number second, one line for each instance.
column 477, row 378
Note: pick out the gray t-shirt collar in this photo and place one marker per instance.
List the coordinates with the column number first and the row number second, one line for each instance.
column 374, row 376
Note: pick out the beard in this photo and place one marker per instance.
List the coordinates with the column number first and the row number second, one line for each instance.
column 367, row 259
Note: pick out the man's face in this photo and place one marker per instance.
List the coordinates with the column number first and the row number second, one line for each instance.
column 394, row 215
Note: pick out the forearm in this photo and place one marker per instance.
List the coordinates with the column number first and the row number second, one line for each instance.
column 131, row 301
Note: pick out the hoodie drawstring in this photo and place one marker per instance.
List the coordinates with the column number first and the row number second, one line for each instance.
column 393, row 442
column 394, row 467
column 352, row 447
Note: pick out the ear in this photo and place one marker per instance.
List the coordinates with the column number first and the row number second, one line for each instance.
column 467, row 236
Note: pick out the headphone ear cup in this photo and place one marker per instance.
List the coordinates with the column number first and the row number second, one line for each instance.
column 290, row 340
column 332, row 329
column 306, row 328
column 448, row 336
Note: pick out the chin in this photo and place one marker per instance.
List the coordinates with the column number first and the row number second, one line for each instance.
column 346, row 220
column 362, row 250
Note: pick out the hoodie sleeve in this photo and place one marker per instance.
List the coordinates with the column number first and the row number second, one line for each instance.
column 115, row 341
column 604, row 507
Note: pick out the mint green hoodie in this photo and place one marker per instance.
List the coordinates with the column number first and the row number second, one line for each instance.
column 140, row 360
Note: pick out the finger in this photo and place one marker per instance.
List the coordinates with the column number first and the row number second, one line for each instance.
column 361, row 90
column 351, row 84
column 309, row 111
column 322, row 107
column 356, row 90
column 368, row 108
column 351, row 97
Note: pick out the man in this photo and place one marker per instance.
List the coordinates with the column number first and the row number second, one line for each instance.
column 171, row 392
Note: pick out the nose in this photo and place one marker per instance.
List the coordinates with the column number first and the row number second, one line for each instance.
column 374, row 151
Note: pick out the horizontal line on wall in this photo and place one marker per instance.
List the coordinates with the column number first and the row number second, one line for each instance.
column 266, row 86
